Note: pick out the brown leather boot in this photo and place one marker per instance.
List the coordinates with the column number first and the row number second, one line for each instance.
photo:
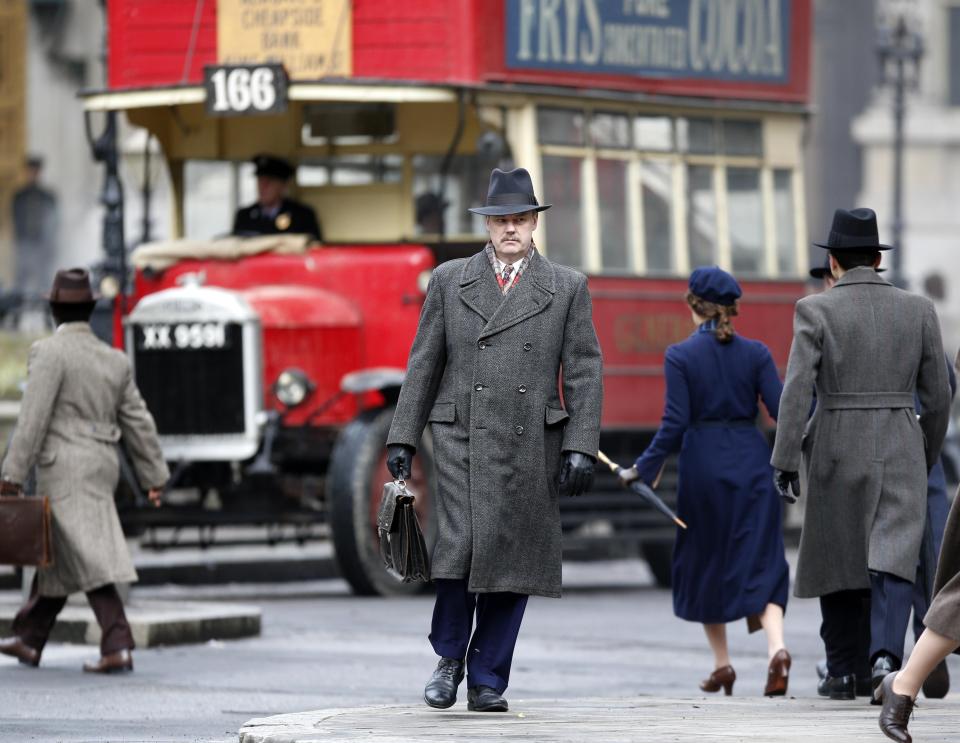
column 722, row 678
column 17, row 648
column 778, row 674
column 895, row 713
column 118, row 662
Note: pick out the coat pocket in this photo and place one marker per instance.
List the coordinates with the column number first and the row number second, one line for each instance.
column 443, row 412
column 553, row 416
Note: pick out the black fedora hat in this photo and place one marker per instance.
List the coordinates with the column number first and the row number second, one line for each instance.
column 509, row 192
column 854, row 229
column 72, row 286
column 821, row 272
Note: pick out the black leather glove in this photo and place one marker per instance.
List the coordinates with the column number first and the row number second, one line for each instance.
column 576, row 473
column 785, row 482
column 400, row 460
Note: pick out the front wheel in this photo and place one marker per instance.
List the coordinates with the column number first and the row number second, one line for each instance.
column 358, row 470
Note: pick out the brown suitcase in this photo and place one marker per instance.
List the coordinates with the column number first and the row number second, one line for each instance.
column 25, row 536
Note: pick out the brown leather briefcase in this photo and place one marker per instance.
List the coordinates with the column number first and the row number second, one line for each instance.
column 402, row 545
column 25, row 537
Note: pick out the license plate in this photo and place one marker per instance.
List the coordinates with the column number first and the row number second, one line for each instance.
column 181, row 336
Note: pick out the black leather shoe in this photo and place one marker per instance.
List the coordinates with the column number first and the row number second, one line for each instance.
column 485, row 699
column 938, row 682
column 838, row 687
column 896, row 711
column 863, row 686
column 17, row 648
column 441, row 689
column 883, row 666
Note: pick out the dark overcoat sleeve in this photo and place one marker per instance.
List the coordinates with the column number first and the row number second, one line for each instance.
column 428, row 358
column 582, row 366
column 797, row 397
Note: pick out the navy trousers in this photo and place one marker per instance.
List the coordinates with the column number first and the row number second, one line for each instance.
column 488, row 649
column 890, row 601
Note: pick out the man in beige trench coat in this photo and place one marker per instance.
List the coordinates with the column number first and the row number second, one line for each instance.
column 80, row 400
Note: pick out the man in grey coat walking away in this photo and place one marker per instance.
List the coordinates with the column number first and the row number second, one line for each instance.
column 867, row 348
column 496, row 330
column 80, row 400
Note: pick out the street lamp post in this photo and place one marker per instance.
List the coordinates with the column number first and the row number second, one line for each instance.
column 900, row 52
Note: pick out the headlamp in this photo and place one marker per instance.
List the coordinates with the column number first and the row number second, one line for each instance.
column 292, row 387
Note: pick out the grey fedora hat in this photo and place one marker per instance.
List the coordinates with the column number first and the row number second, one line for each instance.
column 510, row 192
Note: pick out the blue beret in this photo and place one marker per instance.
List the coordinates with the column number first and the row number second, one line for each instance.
column 714, row 285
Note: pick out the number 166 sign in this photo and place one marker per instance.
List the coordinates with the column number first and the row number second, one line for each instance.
column 245, row 89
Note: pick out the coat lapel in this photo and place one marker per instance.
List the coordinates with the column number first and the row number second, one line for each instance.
column 478, row 287
column 532, row 293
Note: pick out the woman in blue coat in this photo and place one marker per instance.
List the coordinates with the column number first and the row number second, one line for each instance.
column 729, row 564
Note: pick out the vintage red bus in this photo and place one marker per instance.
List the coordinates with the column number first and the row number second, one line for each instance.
column 665, row 134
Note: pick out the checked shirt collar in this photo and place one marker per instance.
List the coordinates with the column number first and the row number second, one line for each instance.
column 498, row 267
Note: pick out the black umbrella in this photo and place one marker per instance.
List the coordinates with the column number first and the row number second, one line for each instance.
column 644, row 491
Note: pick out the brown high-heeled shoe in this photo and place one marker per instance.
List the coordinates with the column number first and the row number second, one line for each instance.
column 722, row 678
column 778, row 674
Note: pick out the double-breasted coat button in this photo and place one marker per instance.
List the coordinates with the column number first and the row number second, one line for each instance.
column 479, row 388
column 527, row 346
column 482, row 345
column 518, row 430
column 521, row 389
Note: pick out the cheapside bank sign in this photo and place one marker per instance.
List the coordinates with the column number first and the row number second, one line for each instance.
column 736, row 40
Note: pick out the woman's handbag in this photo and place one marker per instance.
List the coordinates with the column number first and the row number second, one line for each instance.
column 25, row 537
column 402, row 546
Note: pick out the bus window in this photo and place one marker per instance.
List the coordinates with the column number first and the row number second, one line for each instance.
column 445, row 208
column 560, row 126
column 653, row 133
column 612, row 188
column 212, row 191
column 565, row 226
column 697, row 136
column 656, row 180
column 742, row 138
column 745, row 218
column 610, row 131
column 783, row 221
column 653, row 193
column 701, row 216
column 351, row 170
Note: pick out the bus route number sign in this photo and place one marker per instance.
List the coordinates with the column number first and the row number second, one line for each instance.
column 233, row 90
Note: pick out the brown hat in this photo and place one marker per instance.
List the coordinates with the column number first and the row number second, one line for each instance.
column 72, row 286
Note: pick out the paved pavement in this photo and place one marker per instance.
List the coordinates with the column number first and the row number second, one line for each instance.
column 606, row 720
column 610, row 652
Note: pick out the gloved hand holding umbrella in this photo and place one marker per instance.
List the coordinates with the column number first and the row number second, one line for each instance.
column 642, row 489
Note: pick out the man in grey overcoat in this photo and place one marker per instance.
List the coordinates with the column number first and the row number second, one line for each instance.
column 867, row 348
column 496, row 332
column 80, row 400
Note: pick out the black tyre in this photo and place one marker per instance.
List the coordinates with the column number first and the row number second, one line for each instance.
column 358, row 470
column 659, row 556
